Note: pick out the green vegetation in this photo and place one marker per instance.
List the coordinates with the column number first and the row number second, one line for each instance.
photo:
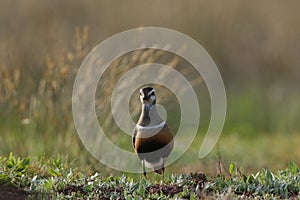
column 53, row 178
column 36, row 117
column 255, row 46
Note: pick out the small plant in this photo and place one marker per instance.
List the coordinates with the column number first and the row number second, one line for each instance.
column 284, row 184
column 52, row 178
column 14, row 170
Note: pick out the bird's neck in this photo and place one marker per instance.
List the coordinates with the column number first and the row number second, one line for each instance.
column 149, row 116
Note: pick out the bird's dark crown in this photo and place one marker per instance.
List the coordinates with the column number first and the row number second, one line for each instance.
column 146, row 91
column 147, row 94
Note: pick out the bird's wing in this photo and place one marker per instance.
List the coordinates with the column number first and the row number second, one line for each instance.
column 133, row 137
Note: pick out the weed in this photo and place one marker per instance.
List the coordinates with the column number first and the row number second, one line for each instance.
column 54, row 179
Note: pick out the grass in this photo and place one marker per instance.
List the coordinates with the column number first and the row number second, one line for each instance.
column 268, row 151
column 54, row 178
column 261, row 135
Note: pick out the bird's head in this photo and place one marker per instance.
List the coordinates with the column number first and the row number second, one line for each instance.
column 147, row 95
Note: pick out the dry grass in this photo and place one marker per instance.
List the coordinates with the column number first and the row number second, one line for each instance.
column 255, row 46
column 40, row 109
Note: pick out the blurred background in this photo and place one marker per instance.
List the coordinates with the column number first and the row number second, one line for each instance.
column 254, row 44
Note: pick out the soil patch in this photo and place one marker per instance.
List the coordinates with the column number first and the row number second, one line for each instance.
column 10, row 192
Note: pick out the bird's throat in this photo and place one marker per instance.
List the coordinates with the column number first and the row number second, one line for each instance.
column 149, row 116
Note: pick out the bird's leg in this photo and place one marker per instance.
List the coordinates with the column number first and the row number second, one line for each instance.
column 144, row 169
column 163, row 173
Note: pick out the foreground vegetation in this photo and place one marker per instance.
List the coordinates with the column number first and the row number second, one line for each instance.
column 53, row 178
column 257, row 53
column 36, row 115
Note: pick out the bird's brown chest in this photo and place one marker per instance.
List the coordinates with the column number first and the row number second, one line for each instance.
column 154, row 144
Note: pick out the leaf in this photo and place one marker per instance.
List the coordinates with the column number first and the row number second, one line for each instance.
column 52, row 172
column 231, row 168
column 136, row 186
column 141, row 191
column 23, row 164
column 192, row 196
column 143, row 182
column 88, row 188
column 293, row 167
column 48, row 184
column 57, row 163
column 250, row 179
column 269, row 175
column 257, row 175
column 34, row 178
column 26, row 161
column 11, row 162
column 245, row 178
column 185, row 189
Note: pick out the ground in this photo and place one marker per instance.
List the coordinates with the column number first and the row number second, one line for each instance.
column 10, row 192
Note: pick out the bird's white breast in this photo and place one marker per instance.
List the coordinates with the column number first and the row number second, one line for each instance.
column 154, row 165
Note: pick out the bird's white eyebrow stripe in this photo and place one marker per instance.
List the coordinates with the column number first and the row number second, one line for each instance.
column 151, row 92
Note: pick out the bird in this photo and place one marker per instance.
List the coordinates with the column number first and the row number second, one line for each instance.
column 152, row 139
